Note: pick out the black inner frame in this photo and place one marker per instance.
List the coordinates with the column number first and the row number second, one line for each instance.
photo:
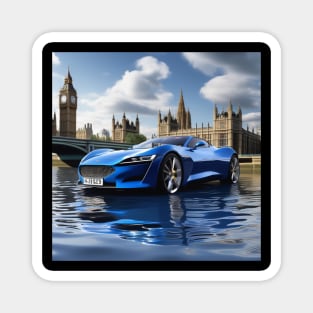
column 47, row 260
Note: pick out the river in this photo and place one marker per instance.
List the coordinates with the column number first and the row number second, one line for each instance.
column 210, row 222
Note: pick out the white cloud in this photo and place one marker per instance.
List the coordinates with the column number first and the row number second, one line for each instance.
column 237, row 88
column 231, row 76
column 153, row 68
column 252, row 120
column 55, row 59
column 139, row 91
column 201, row 62
column 140, row 85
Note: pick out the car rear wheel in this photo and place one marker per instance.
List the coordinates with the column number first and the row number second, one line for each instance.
column 171, row 173
column 234, row 170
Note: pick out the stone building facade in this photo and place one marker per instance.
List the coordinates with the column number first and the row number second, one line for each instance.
column 121, row 129
column 226, row 129
column 85, row 132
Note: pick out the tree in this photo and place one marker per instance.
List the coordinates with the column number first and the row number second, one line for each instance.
column 134, row 139
column 95, row 137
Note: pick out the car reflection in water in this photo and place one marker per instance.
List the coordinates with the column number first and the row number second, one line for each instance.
column 213, row 212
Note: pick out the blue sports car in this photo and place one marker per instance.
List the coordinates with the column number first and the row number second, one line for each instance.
column 165, row 163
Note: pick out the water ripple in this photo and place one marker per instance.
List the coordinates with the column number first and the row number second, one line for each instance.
column 212, row 219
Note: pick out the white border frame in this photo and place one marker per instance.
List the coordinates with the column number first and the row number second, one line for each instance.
column 274, row 46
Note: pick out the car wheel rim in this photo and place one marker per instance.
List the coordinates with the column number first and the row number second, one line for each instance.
column 234, row 170
column 172, row 174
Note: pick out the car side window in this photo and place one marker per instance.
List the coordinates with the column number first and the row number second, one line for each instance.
column 192, row 142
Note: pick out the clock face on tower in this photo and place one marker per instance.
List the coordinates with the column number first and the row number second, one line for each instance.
column 63, row 98
column 73, row 99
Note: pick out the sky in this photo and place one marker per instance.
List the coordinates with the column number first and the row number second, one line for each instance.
column 141, row 83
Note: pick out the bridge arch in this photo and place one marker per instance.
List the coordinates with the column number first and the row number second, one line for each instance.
column 69, row 153
column 72, row 150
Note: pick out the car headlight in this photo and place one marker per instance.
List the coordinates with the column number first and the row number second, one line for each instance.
column 139, row 159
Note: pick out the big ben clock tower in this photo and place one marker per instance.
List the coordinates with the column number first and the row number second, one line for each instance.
column 68, row 107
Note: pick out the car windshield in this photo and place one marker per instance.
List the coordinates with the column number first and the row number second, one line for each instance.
column 173, row 140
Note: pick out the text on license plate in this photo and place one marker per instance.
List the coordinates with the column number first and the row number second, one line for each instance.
column 93, row 181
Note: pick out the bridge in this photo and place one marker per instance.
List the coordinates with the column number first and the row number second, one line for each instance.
column 72, row 150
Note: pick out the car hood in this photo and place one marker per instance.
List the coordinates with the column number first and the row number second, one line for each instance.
column 113, row 157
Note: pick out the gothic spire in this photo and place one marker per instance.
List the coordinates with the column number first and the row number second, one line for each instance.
column 181, row 104
column 188, row 120
column 230, row 107
column 69, row 77
column 181, row 111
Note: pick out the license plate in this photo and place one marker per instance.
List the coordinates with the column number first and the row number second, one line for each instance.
column 93, row 181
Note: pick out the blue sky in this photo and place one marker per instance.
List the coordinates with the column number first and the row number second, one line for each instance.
column 144, row 83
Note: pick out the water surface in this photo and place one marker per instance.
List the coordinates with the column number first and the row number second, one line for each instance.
column 212, row 221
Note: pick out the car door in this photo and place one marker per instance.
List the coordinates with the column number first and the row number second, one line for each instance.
column 202, row 155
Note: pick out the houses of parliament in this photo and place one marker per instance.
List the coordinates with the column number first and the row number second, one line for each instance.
column 226, row 129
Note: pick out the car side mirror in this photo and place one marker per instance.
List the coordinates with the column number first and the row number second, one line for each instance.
column 199, row 144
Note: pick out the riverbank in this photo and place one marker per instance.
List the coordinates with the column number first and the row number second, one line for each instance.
column 56, row 161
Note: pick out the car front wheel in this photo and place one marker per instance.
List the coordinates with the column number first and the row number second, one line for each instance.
column 170, row 177
column 234, row 170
